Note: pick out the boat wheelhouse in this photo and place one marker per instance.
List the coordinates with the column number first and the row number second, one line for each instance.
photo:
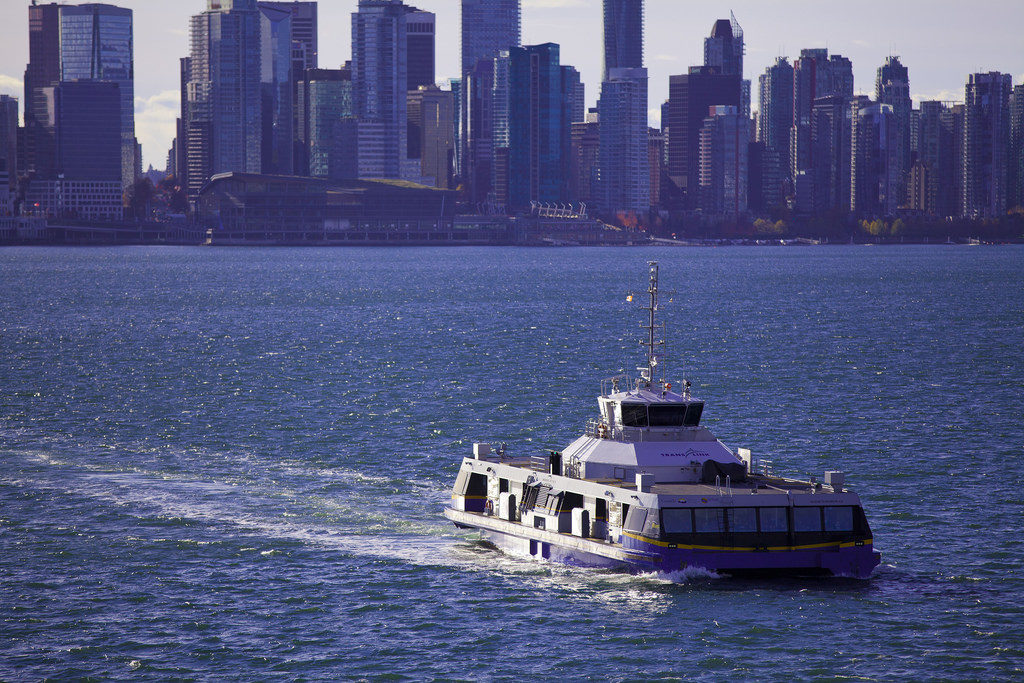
column 647, row 487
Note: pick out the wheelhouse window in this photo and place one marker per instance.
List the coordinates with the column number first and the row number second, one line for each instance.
column 666, row 415
column 807, row 519
column 773, row 520
column 634, row 414
column 635, row 519
column 693, row 413
column 677, row 520
column 839, row 518
column 709, row 520
column 742, row 520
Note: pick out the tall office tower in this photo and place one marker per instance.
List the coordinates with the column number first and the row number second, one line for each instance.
column 831, row 128
column 892, row 87
column 724, row 48
column 539, row 127
column 380, row 88
column 488, row 27
column 42, row 71
column 655, row 155
column 873, row 191
column 478, row 143
column 277, row 91
column 224, row 104
column 623, row 35
column 584, row 147
column 8, row 142
column 723, row 143
column 499, row 112
column 986, row 144
column 815, row 75
column 420, row 47
column 181, row 124
column 325, row 103
column 577, row 94
column 957, row 115
column 304, row 32
column 89, row 144
column 624, row 169
column 1016, row 165
column 96, row 44
column 775, row 114
column 431, row 115
column 936, row 195
column 690, row 97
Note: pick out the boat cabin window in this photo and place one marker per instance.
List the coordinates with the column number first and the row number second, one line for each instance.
column 838, row 518
column 634, row 414
column 807, row 519
column 635, row 519
column 677, row 520
column 709, row 520
column 693, row 413
column 742, row 520
column 666, row 415
column 773, row 520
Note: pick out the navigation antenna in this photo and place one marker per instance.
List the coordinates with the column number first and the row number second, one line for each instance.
column 654, row 339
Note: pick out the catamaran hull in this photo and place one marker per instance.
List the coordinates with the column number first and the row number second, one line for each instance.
column 845, row 560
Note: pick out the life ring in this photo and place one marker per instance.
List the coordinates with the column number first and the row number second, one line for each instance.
column 602, row 431
column 489, row 507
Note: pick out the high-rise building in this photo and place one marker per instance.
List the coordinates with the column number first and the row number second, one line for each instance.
column 986, row 144
column 225, row 127
column 42, row 71
column 624, row 169
column 304, row 32
column 420, row 47
column 577, row 94
column 723, row 49
column 831, row 130
column 277, row 90
column 489, row 27
column 1016, row 166
column 623, row 35
column 431, row 140
column 723, row 148
column 690, row 97
column 380, row 87
column 936, row 195
column 583, row 165
column 815, row 74
column 8, row 142
column 539, row 127
column 874, row 184
column 892, row 87
column 96, row 44
column 775, row 114
column 325, row 102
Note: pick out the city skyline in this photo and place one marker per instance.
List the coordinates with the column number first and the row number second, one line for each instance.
column 982, row 37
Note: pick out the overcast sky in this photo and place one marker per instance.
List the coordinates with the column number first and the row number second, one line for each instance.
column 940, row 41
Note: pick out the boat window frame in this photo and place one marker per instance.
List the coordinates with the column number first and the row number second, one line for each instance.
column 633, row 405
column 665, row 525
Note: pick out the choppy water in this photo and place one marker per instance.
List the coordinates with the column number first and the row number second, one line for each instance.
column 232, row 463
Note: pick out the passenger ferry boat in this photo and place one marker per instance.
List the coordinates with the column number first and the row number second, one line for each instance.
column 648, row 488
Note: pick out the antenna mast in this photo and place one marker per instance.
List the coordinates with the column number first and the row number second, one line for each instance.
column 652, row 342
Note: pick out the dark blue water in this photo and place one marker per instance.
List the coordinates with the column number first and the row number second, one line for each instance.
column 231, row 464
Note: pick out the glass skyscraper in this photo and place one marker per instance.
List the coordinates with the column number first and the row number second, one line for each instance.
column 96, row 45
column 488, row 26
column 623, row 35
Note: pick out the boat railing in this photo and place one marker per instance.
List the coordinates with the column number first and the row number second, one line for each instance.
column 598, row 429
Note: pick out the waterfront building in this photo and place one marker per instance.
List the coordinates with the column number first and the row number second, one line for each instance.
column 420, row 48
column 1016, row 166
column 655, row 164
column 379, row 89
column 538, row 127
column 984, row 187
column 584, row 144
column 623, row 161
column 933, row 188
column 96, row 44
column 8, row 142
column 874, row 184
column 831, row 130
column 815, row 74
column 892, row 87
column 775, row 119
column 277, row 90
column 690, row 97
column 225, row 123
column 623, row 30
column 42, row 71
column 431, row 116
column 723, row 147
column 325, row 101
column 489, row 29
